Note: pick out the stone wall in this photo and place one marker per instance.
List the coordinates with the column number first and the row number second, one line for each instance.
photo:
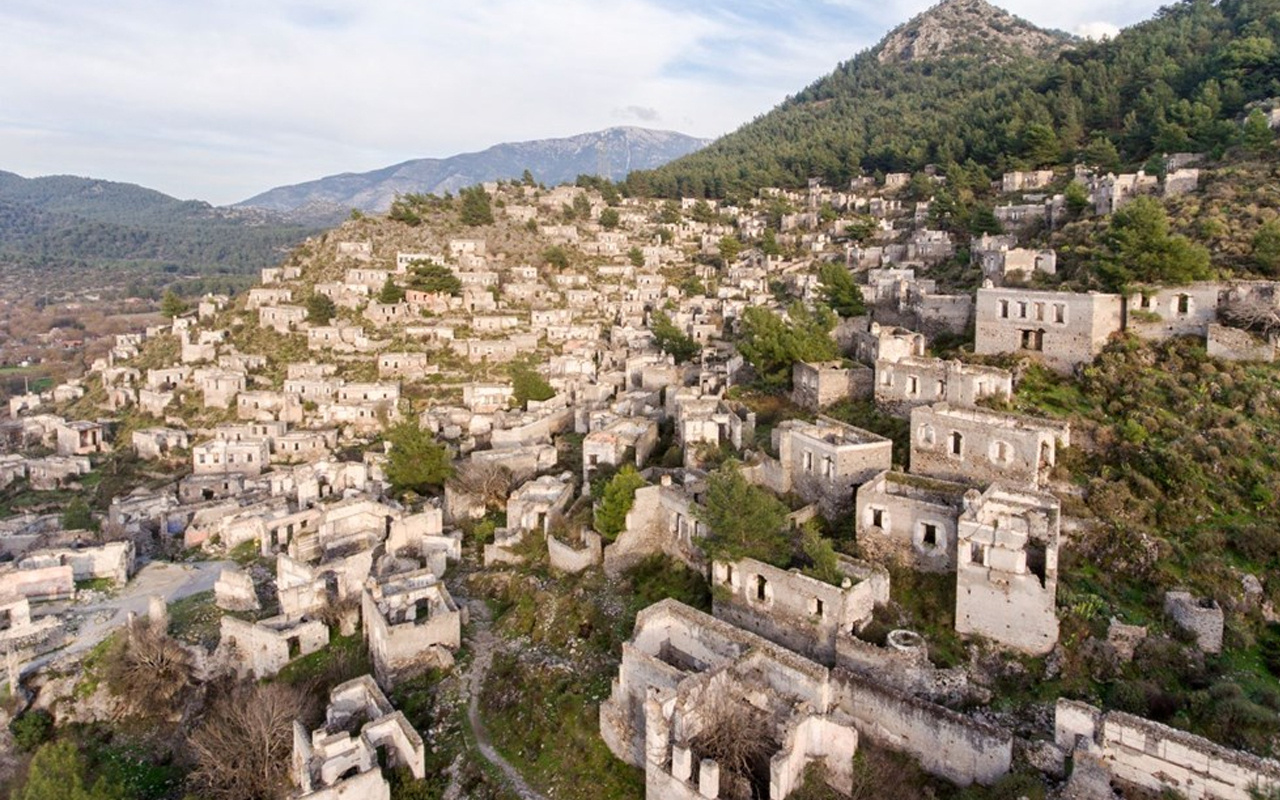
column 794, row 610
column 567, row 558
column 909, row 520
column 981, row 446
column 945, row 743
column 1232, row 344
column 1159, row 758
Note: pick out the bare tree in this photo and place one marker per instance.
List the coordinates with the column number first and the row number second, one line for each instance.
column 489, row 483
column 1260, row 315
column 738, row 737
column 149, row 670
column 244, row 745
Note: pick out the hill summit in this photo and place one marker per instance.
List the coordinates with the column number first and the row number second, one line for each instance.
column 967, row 26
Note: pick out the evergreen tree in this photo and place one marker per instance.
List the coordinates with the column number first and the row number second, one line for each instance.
column 1140, row 248
column 390, row 293
column 528, row 384
column 424, row 276
column 772, row 346
column 320, row 309
column 416, row 462
column 58, row 772
column 670, row 339
column 619, row 495
column 609, row 219
column 476, row 209
column 1257, row 135
column 1266, row 247
column 743, row 520
column 171, row 305
column 840, row 292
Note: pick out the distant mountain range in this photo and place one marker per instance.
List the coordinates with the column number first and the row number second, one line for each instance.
column 611, row 153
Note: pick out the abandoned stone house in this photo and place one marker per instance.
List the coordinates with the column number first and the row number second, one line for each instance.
column 1160, row 313
column 801, row 613
column 55, row 472
column 487, row 398
column 910, row 520
column 912, row 381
column 535, row 505
column 1113, row 192
column 1007, row 568
column 403, row 365
column 342, row 760
column 249, row 457
column 662, row 519
column 1062, row 329
column 980, row 446
column 264, row 296
column 269, row 406
column 629, row 439
column 80, row 438
column 411, row 624
column 1025, row 181
column 303, row 445
column 220, row 388
column 158, row 442
column 263, row 648
column 818, row 385
column 886, row 343
column 685, row 673
column 1002, row 264
column 282, row 319
column 822, row 461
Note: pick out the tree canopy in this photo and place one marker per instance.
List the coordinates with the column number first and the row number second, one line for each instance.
column 320, row 309
column 1139, row 248
column 840, row 292
column 476, row 209
column 619, row 495
column 743, row 520
column 773, row 345
column 426, row 276
column 416, row 462
column 670, row 339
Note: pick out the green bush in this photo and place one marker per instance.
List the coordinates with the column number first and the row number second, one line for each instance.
column 32, row 729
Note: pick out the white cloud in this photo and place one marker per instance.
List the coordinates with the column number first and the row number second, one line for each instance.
column 225, row 98
column 1097, row 30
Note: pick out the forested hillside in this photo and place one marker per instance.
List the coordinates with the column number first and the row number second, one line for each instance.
column 72, row 227
column 1180, row 81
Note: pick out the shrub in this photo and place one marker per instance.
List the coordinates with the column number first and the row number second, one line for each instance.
column 32, row 729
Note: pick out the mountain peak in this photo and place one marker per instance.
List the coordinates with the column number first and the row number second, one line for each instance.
column 973, row 27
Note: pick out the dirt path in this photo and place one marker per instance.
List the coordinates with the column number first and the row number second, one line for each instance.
column 483, row 644
column 97, row 620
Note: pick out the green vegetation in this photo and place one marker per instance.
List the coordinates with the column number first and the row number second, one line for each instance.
column 619, row 496
column 1140, row 248
column 59, row 772
column 839, row 291
column 476, row 209
column 670, row 339
column 31, row 729
column 772, row 346
column 416, row 463
column 172, row 306
column 743, row 520
column 1175, row 83
column 390, row 293
column 320, row 309
column 425, row 276
column 528, row 384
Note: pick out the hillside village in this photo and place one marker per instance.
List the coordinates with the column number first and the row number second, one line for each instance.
column 567, row 347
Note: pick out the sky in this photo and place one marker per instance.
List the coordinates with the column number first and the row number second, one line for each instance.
column 219, row 100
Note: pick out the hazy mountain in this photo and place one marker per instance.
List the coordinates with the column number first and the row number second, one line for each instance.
column 612, row 153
